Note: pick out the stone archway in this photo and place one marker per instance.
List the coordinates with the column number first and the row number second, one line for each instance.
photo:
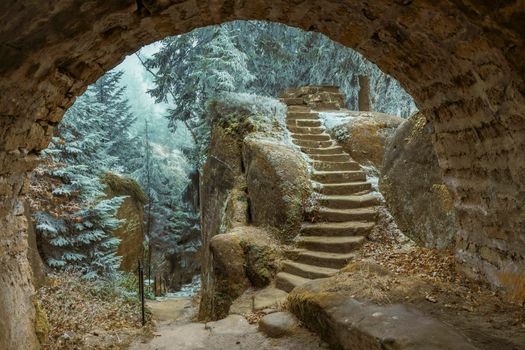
column 461, row 60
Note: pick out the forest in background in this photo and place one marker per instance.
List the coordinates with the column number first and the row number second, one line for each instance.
column 148, row 120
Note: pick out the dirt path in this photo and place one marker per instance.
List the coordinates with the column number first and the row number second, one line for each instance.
column 175, row 330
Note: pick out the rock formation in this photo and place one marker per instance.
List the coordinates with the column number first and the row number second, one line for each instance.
column 363, row 135
column 412, row 184
column 131, row 233
column 253, row 189
column 277, row 186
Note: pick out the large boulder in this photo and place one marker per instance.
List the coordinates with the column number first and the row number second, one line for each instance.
column 244, row 256
column 278, row 185
column 278, row 324
column 363, row 135
column 228, row 269
column 412, row 184
column 131, row 211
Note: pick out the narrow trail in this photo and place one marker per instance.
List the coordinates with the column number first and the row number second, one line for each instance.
column 176, row 330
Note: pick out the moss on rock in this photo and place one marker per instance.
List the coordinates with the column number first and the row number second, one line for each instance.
column 41, row 322
column 260, row 264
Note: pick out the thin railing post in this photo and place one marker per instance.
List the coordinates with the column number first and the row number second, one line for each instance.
column 155, row 285
column 141, row 291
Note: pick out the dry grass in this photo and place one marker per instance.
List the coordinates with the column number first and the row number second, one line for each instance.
column 87, row 315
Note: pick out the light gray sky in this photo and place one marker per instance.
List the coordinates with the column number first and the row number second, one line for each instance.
column 138, row 80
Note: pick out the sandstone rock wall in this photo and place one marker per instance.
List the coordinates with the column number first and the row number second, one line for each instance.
column 412, row 184
column 220, row 173
column 35, row 260
column 278, row 185
column 242, row 257
column 462, row 61
column 252, row 177
column 131, row 232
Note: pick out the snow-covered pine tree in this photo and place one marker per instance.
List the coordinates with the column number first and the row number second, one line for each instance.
column 262, row 58
column 76, row 229
column 192, row 69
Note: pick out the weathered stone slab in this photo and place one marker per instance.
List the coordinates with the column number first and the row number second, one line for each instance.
column 278, row 324
column 268, row 298
column 233, row 324
column 347, row 323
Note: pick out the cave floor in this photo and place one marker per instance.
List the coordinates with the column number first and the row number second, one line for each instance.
column 176, row 329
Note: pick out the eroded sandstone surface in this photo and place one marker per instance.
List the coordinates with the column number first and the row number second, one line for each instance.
column 412, row 185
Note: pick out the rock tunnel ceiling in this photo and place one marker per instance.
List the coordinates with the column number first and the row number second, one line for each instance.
column 462, row 61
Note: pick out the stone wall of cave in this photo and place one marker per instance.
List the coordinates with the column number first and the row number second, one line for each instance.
column 461, row 60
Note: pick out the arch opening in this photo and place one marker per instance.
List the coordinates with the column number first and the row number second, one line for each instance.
column 463, row 73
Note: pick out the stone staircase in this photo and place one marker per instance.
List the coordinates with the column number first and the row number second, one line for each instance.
column 347, row 209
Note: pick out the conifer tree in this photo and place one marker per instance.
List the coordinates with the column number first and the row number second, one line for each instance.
column 93, row 138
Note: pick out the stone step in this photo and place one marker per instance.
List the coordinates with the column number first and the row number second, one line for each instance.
column 312, row 137
column 291, row 101
column 299, row 108
column 307, row 271
column 328, row 106
column 341, row 157
column 325, row 177
column 335, row 166
column 303, row 123
column 344, row 215
column 337, row 229
column 302, row 115
column 348, row 202
column 331, row 244
column 321, row 259
column 306, row 130
column 310, row 143
column 324, row 150
column 287, row 281
column 342, row 188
